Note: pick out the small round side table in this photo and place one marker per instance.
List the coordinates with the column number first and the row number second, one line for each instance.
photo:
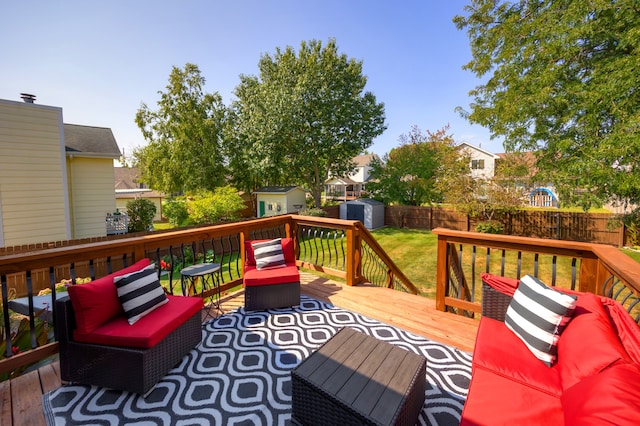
column 208, row 273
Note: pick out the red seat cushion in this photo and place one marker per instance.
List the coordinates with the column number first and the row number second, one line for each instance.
column 149, row 330
column 287, row 250
column 499, row 350
column 611, row 397
column 497, row 400
column 97, row 302
column 254, row 277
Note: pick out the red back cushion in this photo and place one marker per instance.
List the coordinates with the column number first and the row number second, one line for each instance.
column 97, row 302
column 287, row 250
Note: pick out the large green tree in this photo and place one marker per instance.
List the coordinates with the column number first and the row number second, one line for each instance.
column 305, row 116
column 562, row 81
column 410, row 173
column 184, row 136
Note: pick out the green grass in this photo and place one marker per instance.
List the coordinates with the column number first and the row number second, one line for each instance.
column 415, row 253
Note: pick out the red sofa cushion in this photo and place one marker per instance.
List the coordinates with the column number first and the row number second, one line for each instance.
column 611, row 397
column 499, row 350
column 149, row 330
column 254, row 277
column 97, row 302
column 287, row 250
column 589, row 344
column 497, row 400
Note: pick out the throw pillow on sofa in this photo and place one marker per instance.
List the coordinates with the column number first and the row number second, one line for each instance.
column 538, row 314
column 97, row 302
column 140, row 293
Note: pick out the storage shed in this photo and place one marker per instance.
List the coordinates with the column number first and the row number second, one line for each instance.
column 369, row 212
column 275, row 200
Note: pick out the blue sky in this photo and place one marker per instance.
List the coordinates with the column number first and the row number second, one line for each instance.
column 99, row 60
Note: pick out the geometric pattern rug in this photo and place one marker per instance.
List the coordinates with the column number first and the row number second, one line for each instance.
column 240, row 373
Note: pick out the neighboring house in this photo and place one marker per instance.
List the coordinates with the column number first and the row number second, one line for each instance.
column 275, row 200
column 482, row 164
column 352, row 186
column 128, row 187
column 56, row 179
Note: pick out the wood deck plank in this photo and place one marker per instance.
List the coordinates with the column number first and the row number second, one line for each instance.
column 5, row 403
column 26, row 398
column 406, row 311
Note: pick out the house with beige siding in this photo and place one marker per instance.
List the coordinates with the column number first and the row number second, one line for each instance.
column 129, row 187
column 56, row 179
column 276, row 200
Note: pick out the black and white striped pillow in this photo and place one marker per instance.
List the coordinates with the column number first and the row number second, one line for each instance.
column 538, row 314
column 140, row 293
column 268, row 254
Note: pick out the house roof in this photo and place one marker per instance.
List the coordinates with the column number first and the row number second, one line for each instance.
column 466, row 145
column 276, row 189
column 90, row 141
column 127, row 178
column 340, row 180
column 364, row 160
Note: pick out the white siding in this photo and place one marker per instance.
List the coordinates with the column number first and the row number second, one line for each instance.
column 32, row 177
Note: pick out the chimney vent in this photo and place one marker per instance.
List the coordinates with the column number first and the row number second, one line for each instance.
column 28, row 97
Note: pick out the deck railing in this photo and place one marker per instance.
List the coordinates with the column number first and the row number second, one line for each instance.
column 594, row 268
column 340, row 248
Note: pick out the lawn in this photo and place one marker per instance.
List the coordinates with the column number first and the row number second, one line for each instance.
column 415, row 253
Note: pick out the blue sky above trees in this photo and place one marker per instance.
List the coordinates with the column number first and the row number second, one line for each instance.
column 100, row 60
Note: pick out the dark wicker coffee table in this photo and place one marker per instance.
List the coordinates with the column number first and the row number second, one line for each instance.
column 357, row 379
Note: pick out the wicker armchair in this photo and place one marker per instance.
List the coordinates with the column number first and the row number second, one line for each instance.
column 123, row 368
column 271, row 288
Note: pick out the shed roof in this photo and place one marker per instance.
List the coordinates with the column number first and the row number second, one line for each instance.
column 365, row 201
column 276, row 189
column 90, row 141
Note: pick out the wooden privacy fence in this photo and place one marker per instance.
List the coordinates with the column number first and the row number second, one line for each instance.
column 570, row 226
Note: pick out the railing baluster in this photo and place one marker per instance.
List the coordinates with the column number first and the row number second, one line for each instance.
column 5, row 314
column 573, row 273
column 473, row 273
column 488, row 261
column 554, row 270
column 519, row 271
column 535, row 264
column 503, row 260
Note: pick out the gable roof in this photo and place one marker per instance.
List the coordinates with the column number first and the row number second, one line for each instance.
column 276, row 189
column 364, row 160
column 90, row 141
column 127, row 178
column 465, row 145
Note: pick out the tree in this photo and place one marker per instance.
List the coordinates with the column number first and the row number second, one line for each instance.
column 409, row 174
column 141, row 213
column 305, row 116
column 562, row 82
column 184, row 136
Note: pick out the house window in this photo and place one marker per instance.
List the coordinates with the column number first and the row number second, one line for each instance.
column 477, row 164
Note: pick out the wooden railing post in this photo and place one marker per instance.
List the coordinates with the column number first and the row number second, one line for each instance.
column 354, row 255
column 442, row 274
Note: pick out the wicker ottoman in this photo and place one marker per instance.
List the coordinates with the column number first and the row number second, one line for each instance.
column 355, row 379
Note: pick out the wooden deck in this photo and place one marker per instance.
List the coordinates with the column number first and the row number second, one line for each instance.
column 21, row 398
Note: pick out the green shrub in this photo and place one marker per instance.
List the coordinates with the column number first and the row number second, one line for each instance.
column 313, row 212
column 176, row 211
column 490, row 227
column 211, row 207
column 141, row 213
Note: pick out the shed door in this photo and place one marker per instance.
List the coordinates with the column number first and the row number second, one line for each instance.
column 355, row 212
column 262, row 209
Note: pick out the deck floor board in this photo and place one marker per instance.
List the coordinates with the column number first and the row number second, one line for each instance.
column 21, row 398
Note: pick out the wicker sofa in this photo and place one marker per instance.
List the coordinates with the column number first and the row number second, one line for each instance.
column 593, row 381
column 273, row 287
column 98, row 346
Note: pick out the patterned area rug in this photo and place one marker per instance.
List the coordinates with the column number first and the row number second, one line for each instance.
column 240, row 374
